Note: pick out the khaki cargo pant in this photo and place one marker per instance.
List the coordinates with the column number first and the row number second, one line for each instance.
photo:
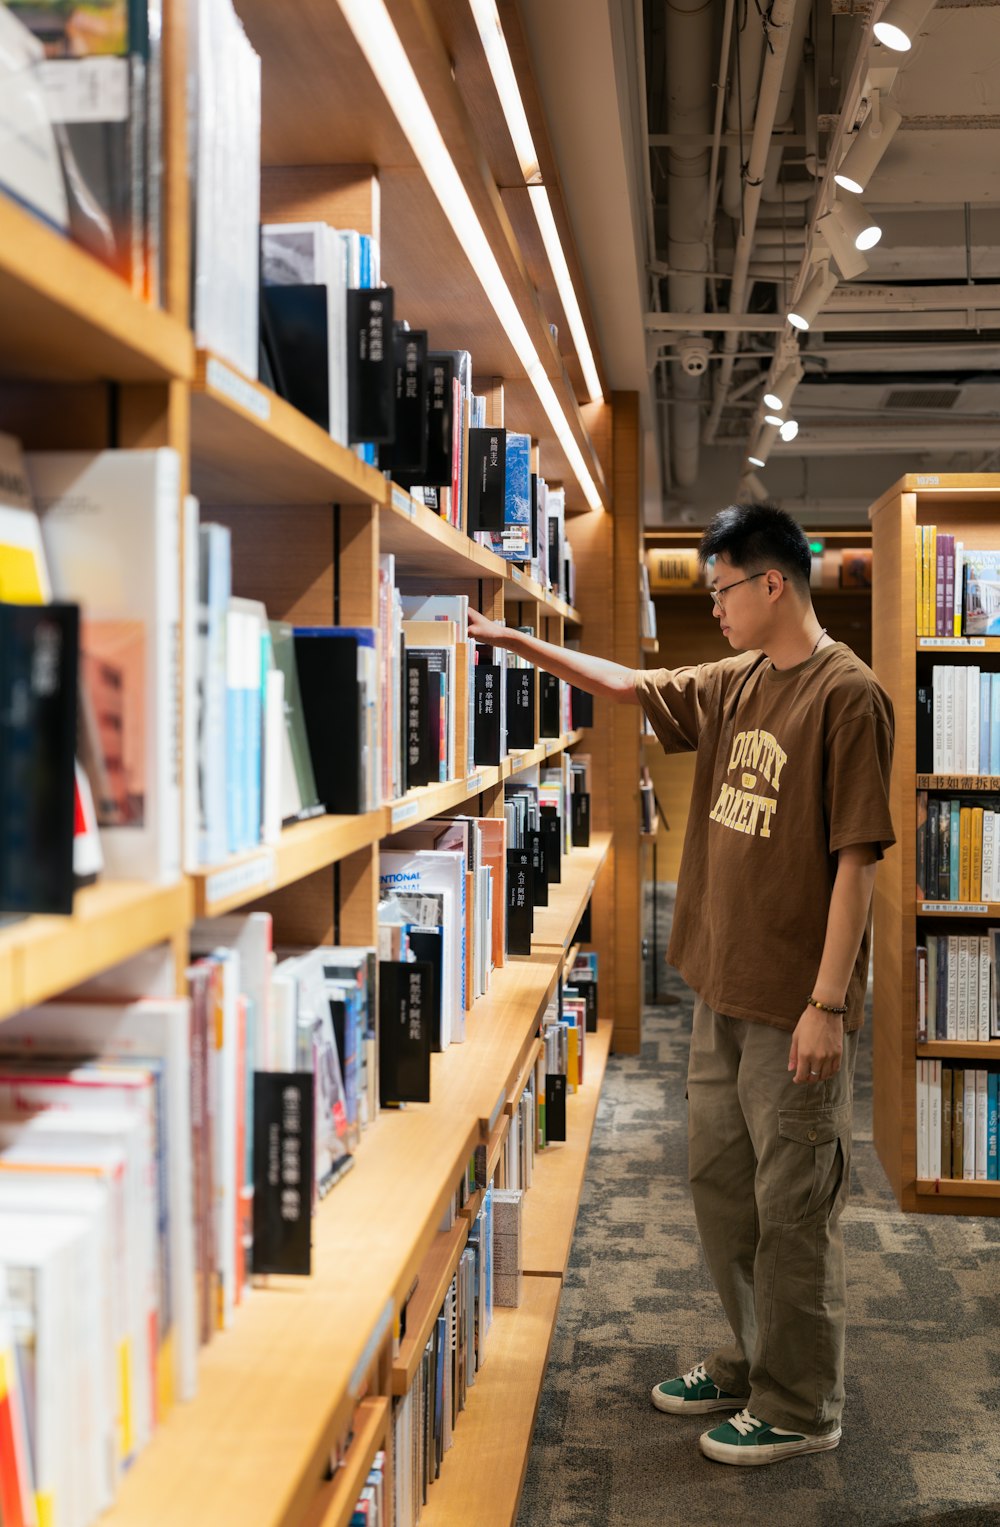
column 769, row 1164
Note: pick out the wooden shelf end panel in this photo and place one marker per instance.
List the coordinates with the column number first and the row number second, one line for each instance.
column 334, row 1506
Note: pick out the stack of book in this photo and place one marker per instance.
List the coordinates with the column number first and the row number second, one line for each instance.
column 958, row 721
column 958, row 848
column 957, row 988
column 958, row 587
column 957, row 1121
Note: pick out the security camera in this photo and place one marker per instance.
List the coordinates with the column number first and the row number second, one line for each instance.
column 693, row 353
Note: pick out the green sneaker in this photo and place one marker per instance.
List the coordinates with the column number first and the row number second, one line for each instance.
column 694, row 1394
column 745, row 1439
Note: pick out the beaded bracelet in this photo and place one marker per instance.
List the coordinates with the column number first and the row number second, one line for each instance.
column 825, row 1007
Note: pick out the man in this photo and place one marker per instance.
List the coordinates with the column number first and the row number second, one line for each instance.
column 789, row 814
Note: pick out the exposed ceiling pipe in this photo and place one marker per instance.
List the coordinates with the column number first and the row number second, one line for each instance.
column 742, row 108
column 779, row 31
column 720, row 108
column 785, row 105
column 689, row 110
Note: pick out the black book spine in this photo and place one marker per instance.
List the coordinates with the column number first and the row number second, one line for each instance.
column 440, row 374
column 404, row 1032
column 371, row 368
column 925, row 729
column 521, row 707
column 538, row 846
column 332, row 703
column 555, row 1106
column 549, row 720
column 552, row 827
column 553, row 539
column 421, row 766
column 39, row 664
column 581, row 708
column 933, row 847
column 487, row 477
column 520, row 901
column 284, row 1155
column 298, row 336
column 580, row 826
column 406, row 457
column 487, row 719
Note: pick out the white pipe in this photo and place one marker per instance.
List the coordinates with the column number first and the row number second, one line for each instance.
column 786, row 99
column 688, row 44
column 743, row 86
column 779, row 33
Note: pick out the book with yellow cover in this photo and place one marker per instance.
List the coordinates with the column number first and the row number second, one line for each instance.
column 965, row 854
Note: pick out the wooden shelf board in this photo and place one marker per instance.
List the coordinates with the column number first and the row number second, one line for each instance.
column 495, row 1143
column 248, row 446
column 301, row 850
column 556, row 923
column 965, row 783
column 483, row 1474
column 382, row 1219
column 66, row 317
column 430, row 800
column 430, row 546
column 570, row 960
column 436, row 1273
column 970, row 645
column 949, row 1187
column 111, row 921
column 941, row 909
column 522, row 1080
column 530, row 592
column 969, row 1049
column 550, row 1206
column 334, row 1506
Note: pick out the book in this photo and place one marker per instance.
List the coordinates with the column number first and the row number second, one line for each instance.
column 981, row 593
column 111, row 527
column 404, row 1032
column 299, row 797
column 31, row 170
column 284, row 1124
column 406, row 453
column 338, row 677
column 371, row 365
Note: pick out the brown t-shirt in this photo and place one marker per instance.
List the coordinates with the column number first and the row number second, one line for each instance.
column 792, row 766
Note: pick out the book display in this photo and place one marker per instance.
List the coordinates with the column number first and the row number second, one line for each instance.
column 937, row 905
column 293, row 875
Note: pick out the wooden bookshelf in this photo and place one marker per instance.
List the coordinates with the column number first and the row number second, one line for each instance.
column 954, row 1049
column 482, row 1475
column 422, row 1309
column 248, row 446
column 556, row 924
column 67, row 318
column 970, row 645
column 968, row 507
column 337, row 1500
column 551, row 1204
column 301, row 850
column 43, row 956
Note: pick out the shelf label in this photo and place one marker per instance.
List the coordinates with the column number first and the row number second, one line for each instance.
column 958, row 781
column 237, row 388
column 520, row 762
column 371, row 1347
column 928, row 480
column 405, row 813
column 497, row 1107
column 951, row 641
column 474, row 784
column 251, row 875
column 516, row 574
column 404, row 502
column 980, row 907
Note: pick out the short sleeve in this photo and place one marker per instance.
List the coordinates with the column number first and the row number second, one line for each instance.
column 674, row 699
column 856, row 785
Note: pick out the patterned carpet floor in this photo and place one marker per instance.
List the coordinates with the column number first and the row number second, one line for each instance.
column 922, row 1427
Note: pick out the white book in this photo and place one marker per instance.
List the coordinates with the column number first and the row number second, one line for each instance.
column 30, row 166
column 963, row 988
column 986, row 884
column 111, row 527
column 983, row 1025
column 214, row 589
column 275, row 737
column 982, row 1111
column 442, row 873
column 948, row 703
column 923, row 1102
column 938, row 691
column 971, row 721
column 155, row 1029
column 934, row 1120
column 972, row 957
column 960, row 680
column 189, row 647
column 50, row 1266
column 109, row 1147
column 970, row 1120
column 88, row 1199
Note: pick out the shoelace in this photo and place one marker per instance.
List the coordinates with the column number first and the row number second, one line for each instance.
column 696, row 1376
column 745, row 1423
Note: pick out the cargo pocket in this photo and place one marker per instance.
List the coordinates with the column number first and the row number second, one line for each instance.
column 809, row 1163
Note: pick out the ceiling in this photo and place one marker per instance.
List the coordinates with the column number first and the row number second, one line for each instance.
column 902, row 365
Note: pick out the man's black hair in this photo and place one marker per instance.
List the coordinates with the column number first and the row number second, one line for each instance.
column 758, row 536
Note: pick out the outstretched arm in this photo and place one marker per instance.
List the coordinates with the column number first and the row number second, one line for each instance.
column 596, row 675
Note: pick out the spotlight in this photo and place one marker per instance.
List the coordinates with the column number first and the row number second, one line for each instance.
column 870, row 144
column 900, row 23
column 789, row 430
column 855, row 224
column 818, row 289
column 774, row 419
column 850, row 261
column 762, row 445
column 752, row 488
column 756, row 461
column 788, row 379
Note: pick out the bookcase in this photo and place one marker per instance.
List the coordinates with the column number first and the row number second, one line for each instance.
column 965, row 505
column 85, row 365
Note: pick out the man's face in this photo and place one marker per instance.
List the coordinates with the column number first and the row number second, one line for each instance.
column 741, row 608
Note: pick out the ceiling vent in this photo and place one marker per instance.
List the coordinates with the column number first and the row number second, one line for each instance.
column 927, row 397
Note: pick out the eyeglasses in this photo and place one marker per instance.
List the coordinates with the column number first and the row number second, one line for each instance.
column 718, row 593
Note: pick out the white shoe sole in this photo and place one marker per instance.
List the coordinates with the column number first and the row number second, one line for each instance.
column 723, row 1452
column 675, row 1406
